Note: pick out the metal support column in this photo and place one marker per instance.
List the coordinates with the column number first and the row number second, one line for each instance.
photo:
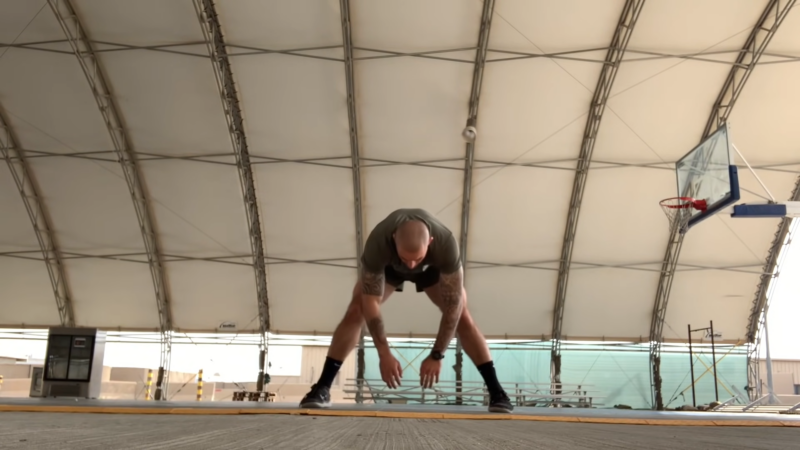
column 691, row 365
column 79, row 42
column 223, row 74
column 616, row 51
column 355, row 156
column 472, row 121
column 37, row 212
column 760, row 37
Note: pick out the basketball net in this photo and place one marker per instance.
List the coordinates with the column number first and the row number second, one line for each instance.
column 679, row 209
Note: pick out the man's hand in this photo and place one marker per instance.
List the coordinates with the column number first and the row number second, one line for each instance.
column 391, row 370
column 429, row 372
column 372, row 285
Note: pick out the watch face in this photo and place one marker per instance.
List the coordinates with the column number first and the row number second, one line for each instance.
column 437, row 355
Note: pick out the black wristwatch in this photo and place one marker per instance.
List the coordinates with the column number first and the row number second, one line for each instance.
column 436, row 355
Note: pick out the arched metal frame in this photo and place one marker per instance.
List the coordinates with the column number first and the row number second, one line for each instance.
column 616, row 51
column 472, row 120
column 212, row 32
column 37, row 212
column 757, row 42
column 758, row 314
column 355, row 161
column 82, row 48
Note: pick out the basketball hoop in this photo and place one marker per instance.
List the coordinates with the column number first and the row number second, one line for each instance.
column 679, row 209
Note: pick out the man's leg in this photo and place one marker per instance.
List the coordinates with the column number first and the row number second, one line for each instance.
column 474, row 344
column 345, row 338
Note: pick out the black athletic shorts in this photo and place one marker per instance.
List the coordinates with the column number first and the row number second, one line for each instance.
column 423, row 280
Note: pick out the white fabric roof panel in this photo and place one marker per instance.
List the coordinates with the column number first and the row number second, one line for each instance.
column 410, row 111
column 25, row 291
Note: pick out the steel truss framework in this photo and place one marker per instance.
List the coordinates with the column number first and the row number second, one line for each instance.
column 82, row 49
column 619, row 43
column 566, row 164
column 355, row 165
column 220, row 53
column 141, row 258
column 472, row 121
column 212, row 32
column 757, row 42
column 37, row 212
column 244, row 50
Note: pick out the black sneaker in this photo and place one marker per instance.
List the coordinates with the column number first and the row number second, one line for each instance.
column 317, row 397
column 500, row 403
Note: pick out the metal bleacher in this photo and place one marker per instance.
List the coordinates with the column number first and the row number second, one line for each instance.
column 475, row 393
column 760, row 405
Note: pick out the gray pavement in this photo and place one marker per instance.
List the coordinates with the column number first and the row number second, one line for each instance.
column 66, row 431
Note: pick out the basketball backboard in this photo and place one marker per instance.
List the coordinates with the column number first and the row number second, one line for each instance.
column 707, row 173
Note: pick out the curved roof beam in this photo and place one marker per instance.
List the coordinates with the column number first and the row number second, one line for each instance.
column 355, row 161
column 472, row 121
column 758, row 313
column 79, row 42
column 760, row 303
column 212, row 31
column 472, row 118
column 37, row 212
column 619, row 43
column 760, row 37
column 355, row 157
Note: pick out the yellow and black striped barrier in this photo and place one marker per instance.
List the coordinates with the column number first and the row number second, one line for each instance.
column 200, row 385
column 148, row 385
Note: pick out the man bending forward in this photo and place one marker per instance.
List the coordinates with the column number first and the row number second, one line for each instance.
column 409, row 245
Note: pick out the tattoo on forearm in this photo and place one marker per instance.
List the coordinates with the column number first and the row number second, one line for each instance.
column 372, row 283
column 375, row 326
column 451, row 287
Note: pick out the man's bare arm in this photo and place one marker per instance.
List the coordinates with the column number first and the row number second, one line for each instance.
column 451, row 289
column 372, row 285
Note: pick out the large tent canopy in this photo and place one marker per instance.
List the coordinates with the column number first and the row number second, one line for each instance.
column 208, row 166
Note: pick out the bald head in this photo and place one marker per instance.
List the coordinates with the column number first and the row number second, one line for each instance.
column 412, row 239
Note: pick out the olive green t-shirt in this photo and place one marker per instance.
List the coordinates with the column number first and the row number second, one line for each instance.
column 380, row 251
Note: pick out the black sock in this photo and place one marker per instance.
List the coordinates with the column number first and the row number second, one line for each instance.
column 490, row 377
column 329, row 372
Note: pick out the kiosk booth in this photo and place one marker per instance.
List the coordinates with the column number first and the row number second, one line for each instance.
column 73, row 365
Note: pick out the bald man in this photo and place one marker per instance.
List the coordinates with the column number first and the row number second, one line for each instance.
column 409, row 245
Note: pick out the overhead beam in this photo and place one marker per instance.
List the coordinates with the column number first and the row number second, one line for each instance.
column 246, row 50
column 755, row 45
column 40, row 219
column 469, row 158
column 619, row 44
column 355, row 162
column 70, row 23
column 212, row 31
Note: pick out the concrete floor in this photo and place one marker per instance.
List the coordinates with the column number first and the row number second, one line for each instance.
column 64, row 431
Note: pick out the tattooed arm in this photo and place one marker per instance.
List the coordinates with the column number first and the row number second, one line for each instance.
column 372, row 285
column 452, row 290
